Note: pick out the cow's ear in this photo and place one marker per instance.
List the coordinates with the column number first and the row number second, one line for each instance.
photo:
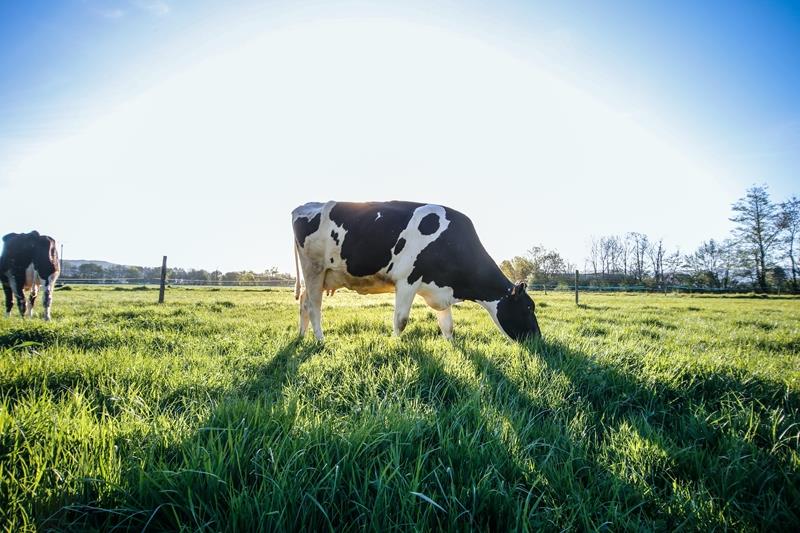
column 518, row 289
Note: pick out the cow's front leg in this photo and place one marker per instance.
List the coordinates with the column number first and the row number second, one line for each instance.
column 9, row 298
column 446, row 322
column 403, row 298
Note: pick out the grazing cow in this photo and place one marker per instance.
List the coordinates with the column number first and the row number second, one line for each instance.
column 28, row 258
column 406, row 248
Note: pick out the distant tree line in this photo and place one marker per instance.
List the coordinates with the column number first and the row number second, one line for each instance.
column 760, row 254
column 99, row 272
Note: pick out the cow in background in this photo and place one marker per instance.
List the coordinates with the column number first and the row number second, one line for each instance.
column 27, row 259
column 407, row 248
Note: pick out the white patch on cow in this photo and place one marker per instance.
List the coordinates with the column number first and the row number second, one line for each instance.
column 332, row 250
column 439, row 298
column 491, row 307
column 416, row 241
column 309, row 210
column 379, row 215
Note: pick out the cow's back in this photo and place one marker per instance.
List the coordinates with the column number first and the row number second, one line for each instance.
column 22, row 251
column 371, row 246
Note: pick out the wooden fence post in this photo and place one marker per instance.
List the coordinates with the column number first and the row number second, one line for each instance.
column 576, row 287
column 163, row 280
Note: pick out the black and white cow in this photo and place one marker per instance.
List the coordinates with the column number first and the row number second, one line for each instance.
column 28, row 258
column 406, row 248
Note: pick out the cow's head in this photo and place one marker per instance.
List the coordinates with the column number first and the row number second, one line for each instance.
column 515, row 313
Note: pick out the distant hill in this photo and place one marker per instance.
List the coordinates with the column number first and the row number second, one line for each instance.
column 76, row 263
column 94, row 269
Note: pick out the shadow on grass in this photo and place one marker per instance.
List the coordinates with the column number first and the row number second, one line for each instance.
column 565, row 463
column 487, row 456
column 143, row 499
column 266, row 460
column 268, row 380
column 720, row 433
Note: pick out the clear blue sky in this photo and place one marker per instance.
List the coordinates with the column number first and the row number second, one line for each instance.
column 545, row 122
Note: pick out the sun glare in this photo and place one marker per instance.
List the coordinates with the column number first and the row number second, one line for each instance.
column 362, row 109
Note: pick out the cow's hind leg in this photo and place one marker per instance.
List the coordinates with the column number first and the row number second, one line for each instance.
column 49, row 285
column 303, row 313
column 403, row 299
column 17, row 287
column 313, row 295
column 446, row 322
column 9, row 297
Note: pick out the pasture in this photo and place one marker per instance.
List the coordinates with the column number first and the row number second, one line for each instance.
column 207, row 413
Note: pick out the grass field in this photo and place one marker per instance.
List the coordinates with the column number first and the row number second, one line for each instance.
column 207, row 413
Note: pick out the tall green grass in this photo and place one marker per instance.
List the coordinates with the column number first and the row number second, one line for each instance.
column 208, row 413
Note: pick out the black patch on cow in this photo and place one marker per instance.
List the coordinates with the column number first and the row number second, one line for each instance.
column 335, row 237
column 390, row 268
column 457, row 259
column 429, row 224
column 331, row 259
column 303, row 227
column 401, row 243
column 367, row 245
column 516, row 315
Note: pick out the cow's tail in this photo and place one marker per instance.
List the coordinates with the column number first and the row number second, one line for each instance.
column 296, row 272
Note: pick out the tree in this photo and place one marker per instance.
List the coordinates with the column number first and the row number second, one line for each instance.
column 671, row 263
column 708, row 263
column 133, row 272
column 231, row 276
column 90, row 271
column 595, row 253
column 777, row 277
column 656, row 254
column 613, row 253
column 757, row 230
column 627, row 249
column 729, row 262
column 640, row 249
column 518, row 268
column 790, row 224
column 546, row 263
